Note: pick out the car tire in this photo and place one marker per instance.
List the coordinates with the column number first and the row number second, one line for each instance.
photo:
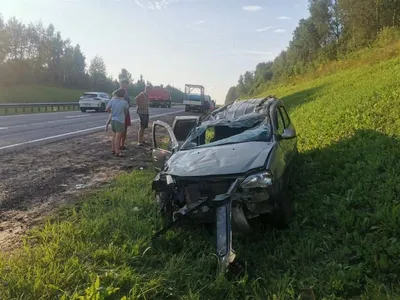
column 164, row 207
column 83, row 109
column 283, row 214
column 103, row 107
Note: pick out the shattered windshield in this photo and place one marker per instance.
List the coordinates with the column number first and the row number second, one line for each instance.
column 217, row 132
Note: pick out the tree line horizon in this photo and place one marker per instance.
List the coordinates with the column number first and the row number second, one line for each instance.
column 32, row 54
column 333, row 31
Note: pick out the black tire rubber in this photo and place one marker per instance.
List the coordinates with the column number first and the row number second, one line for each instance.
column 164, row 207
column 236, row 270
column 103, row 107
column 83, row 109
column 283, row 215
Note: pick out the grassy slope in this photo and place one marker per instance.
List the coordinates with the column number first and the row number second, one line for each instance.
column 38, row 93
column 344, row 241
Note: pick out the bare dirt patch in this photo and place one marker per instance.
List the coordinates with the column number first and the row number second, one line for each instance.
column 36, row 182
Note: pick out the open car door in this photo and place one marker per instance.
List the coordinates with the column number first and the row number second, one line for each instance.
column 164, row 143
column 182, row 126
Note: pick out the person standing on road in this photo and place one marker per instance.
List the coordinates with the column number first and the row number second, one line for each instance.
column 142, row 102
column 124, row 84
column 118, row 108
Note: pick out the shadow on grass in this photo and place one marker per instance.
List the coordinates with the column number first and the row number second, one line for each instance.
column 344, row 239
column 302, row 97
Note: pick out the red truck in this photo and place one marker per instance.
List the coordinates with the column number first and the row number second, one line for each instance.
column 159, row 97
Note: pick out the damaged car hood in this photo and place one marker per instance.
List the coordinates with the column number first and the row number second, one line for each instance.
column 219, row 160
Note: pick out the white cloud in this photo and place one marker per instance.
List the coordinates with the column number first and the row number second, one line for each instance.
column 264, row 29
column 283, row 18
column 156, row 4
column 192, row 44
column 197, row 23
column 280, row 31
column 198, row 26
column 252, row 8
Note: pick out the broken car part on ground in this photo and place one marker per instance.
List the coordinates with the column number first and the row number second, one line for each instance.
column 230, row 170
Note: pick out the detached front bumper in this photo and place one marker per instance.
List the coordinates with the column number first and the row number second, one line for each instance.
column 246, row 204
column 225, row 207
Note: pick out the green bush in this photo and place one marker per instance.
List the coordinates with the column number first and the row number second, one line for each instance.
column 387, row 36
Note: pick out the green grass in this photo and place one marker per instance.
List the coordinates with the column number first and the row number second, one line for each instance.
column 38, row 94
column 344, row 242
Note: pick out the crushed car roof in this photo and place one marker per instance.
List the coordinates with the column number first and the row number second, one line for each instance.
column 251, row 115
column 242, row 107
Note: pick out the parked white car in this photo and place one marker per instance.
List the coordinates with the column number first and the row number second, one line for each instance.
column 93, row 100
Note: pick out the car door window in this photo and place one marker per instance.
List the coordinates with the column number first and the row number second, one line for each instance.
column 164, row 143
column 285, row 116
column 280, row 123
column 163, row 137
column 182, row 127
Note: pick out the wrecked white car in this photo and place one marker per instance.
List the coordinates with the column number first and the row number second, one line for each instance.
column 228, row 170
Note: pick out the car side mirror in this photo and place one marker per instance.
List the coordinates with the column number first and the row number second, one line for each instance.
column 288, row 134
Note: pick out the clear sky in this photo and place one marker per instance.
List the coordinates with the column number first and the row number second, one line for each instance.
column 208, row 42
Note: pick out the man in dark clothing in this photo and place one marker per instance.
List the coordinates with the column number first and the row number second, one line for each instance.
column 124, row 84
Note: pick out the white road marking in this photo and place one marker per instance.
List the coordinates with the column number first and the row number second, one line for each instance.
column 78, row 131
column 78, row 116
column 3, row 128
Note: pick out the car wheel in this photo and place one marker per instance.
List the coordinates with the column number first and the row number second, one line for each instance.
column 83, row 109
column 283, row 214
column 103, row 107
column 164, row 207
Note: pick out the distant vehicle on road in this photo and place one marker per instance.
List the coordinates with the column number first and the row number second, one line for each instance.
column 196, row 102
column 159, row 97
column 93, row 101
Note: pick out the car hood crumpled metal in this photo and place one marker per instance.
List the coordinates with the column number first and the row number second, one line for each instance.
column 219, row 160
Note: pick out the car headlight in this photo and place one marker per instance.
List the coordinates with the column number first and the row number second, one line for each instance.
column 259, row 180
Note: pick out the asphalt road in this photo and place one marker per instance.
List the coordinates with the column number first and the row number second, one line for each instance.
column 28, row 130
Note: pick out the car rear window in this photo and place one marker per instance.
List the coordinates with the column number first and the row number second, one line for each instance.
column 87, row 95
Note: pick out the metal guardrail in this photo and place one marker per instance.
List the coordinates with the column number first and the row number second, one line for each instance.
column 46, row 107
column 39, row 106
